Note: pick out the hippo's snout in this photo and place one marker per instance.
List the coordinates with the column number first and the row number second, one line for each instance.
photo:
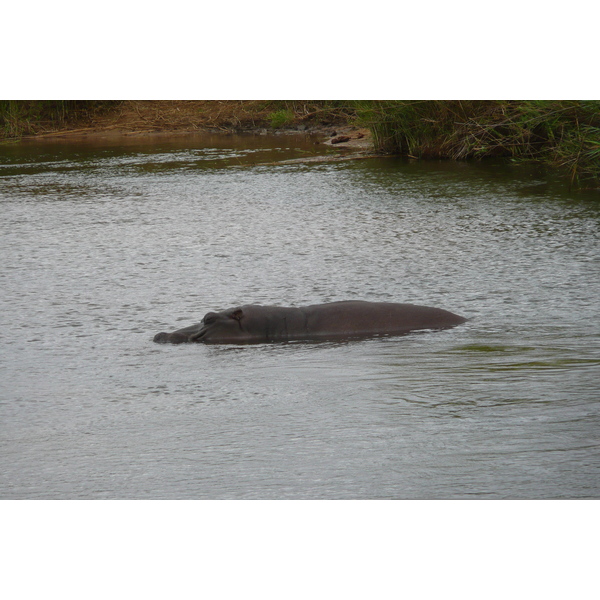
column 170, row 338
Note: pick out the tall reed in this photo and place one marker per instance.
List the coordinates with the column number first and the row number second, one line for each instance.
column 26, row 117
column 563, row 134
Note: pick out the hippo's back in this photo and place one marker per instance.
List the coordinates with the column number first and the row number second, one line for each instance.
column 354, row 317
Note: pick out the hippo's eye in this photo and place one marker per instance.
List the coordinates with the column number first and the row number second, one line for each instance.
column 209, row 319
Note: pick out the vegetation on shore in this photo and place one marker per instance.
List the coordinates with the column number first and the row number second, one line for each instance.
column 30, row 117
column 562, row 134
column 20, row 118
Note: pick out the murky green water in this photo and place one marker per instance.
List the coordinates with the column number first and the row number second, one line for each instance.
column 102, row 246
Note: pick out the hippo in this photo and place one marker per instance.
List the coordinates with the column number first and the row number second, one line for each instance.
column 255, row 324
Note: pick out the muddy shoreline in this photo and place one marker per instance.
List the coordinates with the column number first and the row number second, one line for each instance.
column 346, row 137
column 352, row 143
column 150, row 121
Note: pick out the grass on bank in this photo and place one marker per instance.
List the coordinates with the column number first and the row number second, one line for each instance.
column 20, row 118
column 31, row 117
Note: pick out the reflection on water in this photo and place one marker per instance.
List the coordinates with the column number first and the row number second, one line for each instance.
column 104, row 245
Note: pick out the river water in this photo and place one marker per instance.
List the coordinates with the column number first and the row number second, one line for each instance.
column 103, row 245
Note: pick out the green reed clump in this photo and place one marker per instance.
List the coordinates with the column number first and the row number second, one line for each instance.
column 563, row 134
column 314, row 112
column 281, row 118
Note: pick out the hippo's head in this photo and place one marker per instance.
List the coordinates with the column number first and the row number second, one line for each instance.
column 221, row 327
column 226, row 327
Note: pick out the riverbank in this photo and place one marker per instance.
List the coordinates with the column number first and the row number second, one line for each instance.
column 141, row 117
column 563, row 136
column 330, row 123
column 560, row 135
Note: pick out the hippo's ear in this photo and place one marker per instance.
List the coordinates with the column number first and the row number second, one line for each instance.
column 237, row 314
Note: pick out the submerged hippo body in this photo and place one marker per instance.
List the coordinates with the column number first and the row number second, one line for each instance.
column 254, row 324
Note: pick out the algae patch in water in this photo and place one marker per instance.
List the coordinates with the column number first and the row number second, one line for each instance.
column 492, row 348
column 494, row 362
column 559, row 363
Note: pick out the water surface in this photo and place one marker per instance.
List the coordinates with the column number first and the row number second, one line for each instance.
column 104, row 245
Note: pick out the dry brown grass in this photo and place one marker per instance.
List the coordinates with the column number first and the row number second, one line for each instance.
column 144, row 116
